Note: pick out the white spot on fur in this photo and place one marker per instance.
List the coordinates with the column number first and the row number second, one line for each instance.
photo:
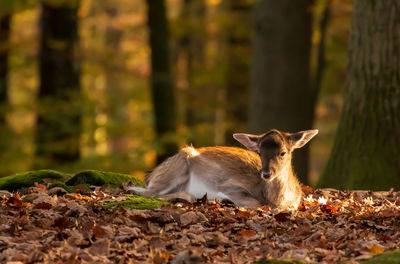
column 198, row 189
column 192, row 152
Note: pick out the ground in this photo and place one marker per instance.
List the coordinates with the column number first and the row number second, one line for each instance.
column 98, row 225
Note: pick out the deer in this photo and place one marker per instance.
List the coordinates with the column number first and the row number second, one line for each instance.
column 260, row 175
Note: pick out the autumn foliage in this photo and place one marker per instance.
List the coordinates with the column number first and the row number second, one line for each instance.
column 52, row 226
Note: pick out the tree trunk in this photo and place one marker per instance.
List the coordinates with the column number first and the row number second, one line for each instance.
column 237, row 78
column 281, row 95
column 192, row 49
column 4, row 48
column 161, row 80
column 367, row 144
column 4, row 51
column 117, row 96
column 58, row 123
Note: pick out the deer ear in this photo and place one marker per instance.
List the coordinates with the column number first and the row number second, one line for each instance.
column 301, row 138
column 248, row 140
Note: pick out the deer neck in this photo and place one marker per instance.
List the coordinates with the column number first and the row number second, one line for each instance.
column 283, row 190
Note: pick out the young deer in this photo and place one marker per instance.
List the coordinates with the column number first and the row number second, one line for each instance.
column 261, row 176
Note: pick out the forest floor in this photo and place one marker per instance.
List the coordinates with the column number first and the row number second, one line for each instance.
column 330, row 226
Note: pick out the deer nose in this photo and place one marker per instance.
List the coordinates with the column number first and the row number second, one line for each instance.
column 265, row 175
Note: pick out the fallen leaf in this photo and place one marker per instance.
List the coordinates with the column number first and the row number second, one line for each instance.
column 247, row 233
column 100, row 247
column 14, row 202
column 375, row 249
column 41, row 186
column 385, row 238
column 43, row 205
column 243, row 214
column 265, row 208
column 188, row 218
column 280, row 217
column 62, row 222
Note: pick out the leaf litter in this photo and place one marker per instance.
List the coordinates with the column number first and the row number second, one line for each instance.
column 329, row 226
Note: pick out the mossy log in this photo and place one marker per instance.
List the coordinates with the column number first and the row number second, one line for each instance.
column 28, row 179
column 60, row 179
column 99, row 178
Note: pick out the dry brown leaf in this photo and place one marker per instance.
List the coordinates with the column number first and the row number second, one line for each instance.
column 283, row 216
column 41, row 186
column 188, row 218
column 14, row 201
column 100, row 247
column 247, row 233
column 375, row 249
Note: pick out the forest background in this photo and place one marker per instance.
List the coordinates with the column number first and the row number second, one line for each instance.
column 119, row 85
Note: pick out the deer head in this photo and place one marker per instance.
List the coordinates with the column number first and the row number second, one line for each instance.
column 275, row 149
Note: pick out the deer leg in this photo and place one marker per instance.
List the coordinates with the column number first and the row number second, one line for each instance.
column 241, row 197
column 178, row 195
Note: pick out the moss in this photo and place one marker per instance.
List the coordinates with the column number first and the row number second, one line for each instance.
column 99, row 178
column 138, row 202
column 60, row 184
column 28, row 179
column 384, row 258
column 280, row 261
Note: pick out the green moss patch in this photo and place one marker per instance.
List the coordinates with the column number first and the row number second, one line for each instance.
column 28, row 179
column 64, row 180
column 280, row 261
column 99, row 178
column 388, row 257
column 138, row 202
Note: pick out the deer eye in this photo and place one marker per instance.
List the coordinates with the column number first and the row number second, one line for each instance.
column 283, row 154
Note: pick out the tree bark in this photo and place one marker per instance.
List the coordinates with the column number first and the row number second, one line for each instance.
column 117, row 95
column 59, row 119
column 161, row 80
column 4, row 48
column 238, row 68
column 281, row 93
column 367, row 144
column 192, row 48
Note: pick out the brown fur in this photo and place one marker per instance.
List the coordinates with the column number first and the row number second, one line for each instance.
column 235, row 172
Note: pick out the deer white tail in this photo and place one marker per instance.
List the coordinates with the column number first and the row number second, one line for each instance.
column 170, row 176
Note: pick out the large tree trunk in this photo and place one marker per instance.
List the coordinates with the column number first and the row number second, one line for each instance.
column 281, row 93
column 4, row 48
column 367, row 144
column 161, row 81
column 4, row 51
column 237, row 79
column 58, row 124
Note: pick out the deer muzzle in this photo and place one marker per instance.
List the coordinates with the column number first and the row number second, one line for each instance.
column 265, row 175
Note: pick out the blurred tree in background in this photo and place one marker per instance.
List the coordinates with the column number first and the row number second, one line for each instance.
column 190, row 56
column 5, row 20
column 162, row 81
column 238, row 67
column 281, row 90
column 365, row 154
column 58, row 121
column 198, row 59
